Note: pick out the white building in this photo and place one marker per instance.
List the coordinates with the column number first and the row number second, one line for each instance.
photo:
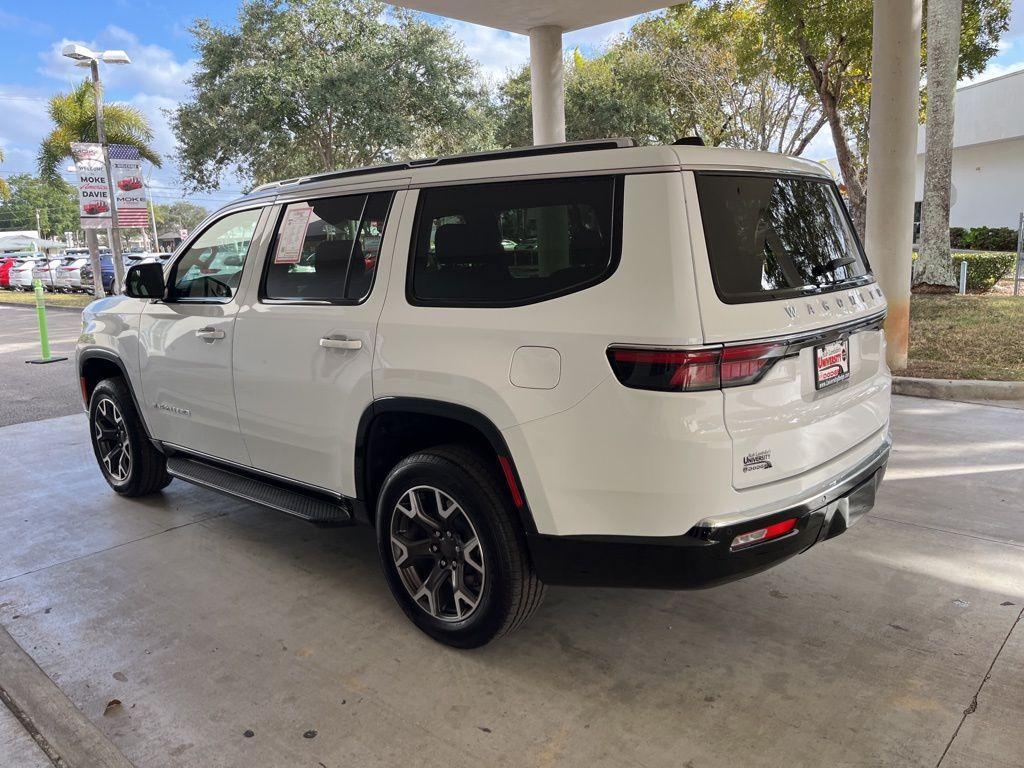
column 988, row 154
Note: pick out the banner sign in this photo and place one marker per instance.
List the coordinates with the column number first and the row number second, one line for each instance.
column 129, row 190
column 93, row 197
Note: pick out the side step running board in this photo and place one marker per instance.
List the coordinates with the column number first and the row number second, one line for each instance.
column 316, row 509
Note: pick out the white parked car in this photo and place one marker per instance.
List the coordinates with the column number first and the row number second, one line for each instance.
column 69, row 273
column 674, row 377
column 22, row 272
column 45, row 270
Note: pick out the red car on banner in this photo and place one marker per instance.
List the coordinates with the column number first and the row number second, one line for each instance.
column 132, row 182
column 95, row 208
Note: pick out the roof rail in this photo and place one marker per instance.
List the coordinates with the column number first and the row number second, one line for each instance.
column 562, row 148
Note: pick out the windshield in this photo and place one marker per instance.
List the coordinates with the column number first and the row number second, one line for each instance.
column 771, row 237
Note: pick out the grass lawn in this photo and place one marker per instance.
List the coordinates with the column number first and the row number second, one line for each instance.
column 51, row 300
column 967, row 337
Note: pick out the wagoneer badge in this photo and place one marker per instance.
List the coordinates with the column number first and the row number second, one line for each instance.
column 757, row 460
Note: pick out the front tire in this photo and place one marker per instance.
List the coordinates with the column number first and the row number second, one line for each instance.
column 129, row 462
column 452, row 551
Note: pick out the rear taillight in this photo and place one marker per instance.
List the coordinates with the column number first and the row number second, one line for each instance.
column 693, row 370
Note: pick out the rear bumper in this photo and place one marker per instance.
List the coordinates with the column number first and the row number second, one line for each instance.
column 702, row 556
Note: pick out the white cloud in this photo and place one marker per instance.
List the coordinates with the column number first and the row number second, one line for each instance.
column 994, row 69
column 495, row 50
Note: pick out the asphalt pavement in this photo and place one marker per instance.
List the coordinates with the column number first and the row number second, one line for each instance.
column 32, row 392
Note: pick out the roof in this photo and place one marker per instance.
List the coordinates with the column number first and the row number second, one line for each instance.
column 523, row 15
column 21, row 243
column 575, row 158
column 986, row 112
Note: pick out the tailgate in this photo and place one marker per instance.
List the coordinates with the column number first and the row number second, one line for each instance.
column 777, row 265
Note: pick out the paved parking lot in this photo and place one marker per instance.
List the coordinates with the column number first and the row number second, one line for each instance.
column 896, row 644
column 31, row 392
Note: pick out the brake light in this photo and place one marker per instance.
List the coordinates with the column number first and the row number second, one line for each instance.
column 767, row 533
column 693, row 370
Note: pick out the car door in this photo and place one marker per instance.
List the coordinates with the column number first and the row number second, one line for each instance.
column 304, row 348
column 186, row 341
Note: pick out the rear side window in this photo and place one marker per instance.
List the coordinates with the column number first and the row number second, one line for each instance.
column 517, row 242
column 327, row 249
column 773, row 237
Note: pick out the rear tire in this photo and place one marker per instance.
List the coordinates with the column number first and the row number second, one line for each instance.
column 129, row 462
column 452, row 550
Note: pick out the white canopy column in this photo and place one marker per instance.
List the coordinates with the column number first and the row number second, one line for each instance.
column 892, row 152
column 547, row 85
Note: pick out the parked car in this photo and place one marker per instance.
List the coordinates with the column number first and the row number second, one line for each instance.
column 107, row 266
column 21, row 272
column 69, row 274
column 690, row 388
column 46, row 270
column 6, row 262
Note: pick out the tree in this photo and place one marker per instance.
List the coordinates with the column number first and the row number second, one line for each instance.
column 56, row 202
column 74, row 119
column 933, row 269
column 831, row 41
column 301, row 86
column 181, row 215
column 5, row 190
column 706, row 70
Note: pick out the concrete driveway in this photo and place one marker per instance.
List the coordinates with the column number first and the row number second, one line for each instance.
column 897, row 644
column 30, row 392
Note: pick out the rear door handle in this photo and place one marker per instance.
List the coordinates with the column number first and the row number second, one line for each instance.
column 330, row 342
column 209, row 334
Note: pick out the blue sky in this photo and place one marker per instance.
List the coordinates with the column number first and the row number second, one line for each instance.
column 155, row 34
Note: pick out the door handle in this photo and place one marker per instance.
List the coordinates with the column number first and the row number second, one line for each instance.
column 330, row 342
column 209, row 334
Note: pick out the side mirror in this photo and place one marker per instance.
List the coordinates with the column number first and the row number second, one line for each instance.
column 145, row 281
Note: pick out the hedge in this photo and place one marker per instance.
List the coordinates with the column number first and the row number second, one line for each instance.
column 983, row 269
column 983, row 238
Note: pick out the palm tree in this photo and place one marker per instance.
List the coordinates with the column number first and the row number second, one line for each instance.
column 5, row 191
column 74, row 118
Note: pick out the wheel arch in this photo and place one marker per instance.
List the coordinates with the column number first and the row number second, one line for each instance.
column 95, row 365
column 394, row 427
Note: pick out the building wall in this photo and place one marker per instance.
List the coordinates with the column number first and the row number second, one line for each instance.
column 988, row 184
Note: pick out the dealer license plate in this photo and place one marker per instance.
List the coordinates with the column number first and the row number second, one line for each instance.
column 831, row 363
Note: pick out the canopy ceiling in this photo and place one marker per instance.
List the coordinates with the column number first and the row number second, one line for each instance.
column 522, row 15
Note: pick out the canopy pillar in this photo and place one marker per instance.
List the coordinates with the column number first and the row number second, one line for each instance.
column 547, row 85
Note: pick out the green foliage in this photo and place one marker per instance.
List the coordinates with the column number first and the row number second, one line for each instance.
column 74, row 118
column 710, row 70
column 56, row 201
column 5, row 190
column 180, row 215
column 984, row 270
column 990, row 239
column 956, row 237
column 300, row 86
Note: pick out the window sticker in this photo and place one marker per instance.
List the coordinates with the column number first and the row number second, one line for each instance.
column 292, row 234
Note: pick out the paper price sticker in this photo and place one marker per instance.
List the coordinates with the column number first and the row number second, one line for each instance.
column 292, row 235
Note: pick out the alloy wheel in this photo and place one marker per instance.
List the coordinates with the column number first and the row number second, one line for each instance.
column 111, row 433
column 438, row 553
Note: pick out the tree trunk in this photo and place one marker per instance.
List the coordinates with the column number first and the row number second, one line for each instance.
column 933, row 270
column 855, row 192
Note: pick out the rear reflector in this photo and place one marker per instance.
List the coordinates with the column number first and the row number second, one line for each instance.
column 773, row 531
column 693, row 370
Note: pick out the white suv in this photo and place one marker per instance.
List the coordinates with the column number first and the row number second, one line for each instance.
column 586, row 363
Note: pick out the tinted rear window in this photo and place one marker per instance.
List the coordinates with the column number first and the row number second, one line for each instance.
column 517, row 242
column 773, row 237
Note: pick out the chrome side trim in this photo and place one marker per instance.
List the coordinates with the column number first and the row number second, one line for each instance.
column 250, row 469
column 820, row 496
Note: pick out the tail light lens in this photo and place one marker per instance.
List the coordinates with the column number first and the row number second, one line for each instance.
column 774, row 531
column 694, row 370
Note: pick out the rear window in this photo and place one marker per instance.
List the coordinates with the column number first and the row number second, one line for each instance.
column 774, row 237
column 511, row 243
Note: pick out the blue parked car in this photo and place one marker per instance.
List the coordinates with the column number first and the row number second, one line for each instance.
column 107, row 268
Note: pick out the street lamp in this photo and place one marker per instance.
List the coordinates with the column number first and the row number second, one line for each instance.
column 85, row 57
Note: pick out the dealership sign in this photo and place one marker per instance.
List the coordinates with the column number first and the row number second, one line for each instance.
column 93, row 192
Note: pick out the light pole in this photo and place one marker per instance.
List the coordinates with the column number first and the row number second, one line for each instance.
column 84, row 57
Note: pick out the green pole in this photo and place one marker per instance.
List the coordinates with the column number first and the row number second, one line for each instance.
column 44, row 337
